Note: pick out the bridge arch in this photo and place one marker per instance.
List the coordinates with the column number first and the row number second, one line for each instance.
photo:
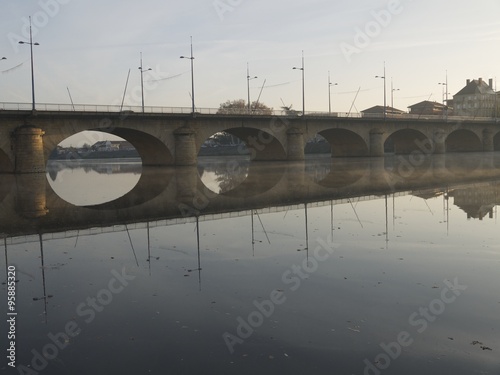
column 463, row 140
column 260, row 144
column 496, row 142
column 152, row 150
column 345, row 142
column 407, row 141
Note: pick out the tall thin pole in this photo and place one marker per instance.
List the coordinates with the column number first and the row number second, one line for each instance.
column 385, row 96
column 446, row 94
column 32, row 69
column 329, row 95
column 392, row 95
column 71, row 99
column 43, row 278
column 385, row 101
column 142, row 85
column 142, row 82
column 125, row 90
column 192, row 75
column 303, row 85
column 198, row 247
column 496, row 98
column 248, row 88
column 32, row 66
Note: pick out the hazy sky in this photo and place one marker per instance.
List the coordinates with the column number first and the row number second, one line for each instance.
column 89, row 46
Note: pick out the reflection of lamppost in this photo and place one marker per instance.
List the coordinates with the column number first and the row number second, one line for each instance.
column 330, row 84
column 192, row 73
column 303, row 86
column 392, row 95
column 385, row 105
column 142, row 82
column 248, row 87
column 32, row 70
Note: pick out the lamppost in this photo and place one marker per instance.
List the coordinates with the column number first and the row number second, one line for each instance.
column 303, row 86
column 192, row 73
column 32, row 70
column 248, row 87
column 443, row 84
column 392, row 94
column 445, row 95
column 3, row 58
column 142, row 82
column 330, row 84
column 385, row 97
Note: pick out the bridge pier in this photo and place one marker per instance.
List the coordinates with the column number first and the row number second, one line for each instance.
column 28, row 150
column 439, row 142
column 295, row 140
column 185, row 146
column 31, row 198
column 488, row 143
column 376, row 142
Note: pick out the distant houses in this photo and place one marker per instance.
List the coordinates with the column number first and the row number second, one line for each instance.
column 108, row 146
column 379, row 110
column 101, row 149
column 476, row 99
column 427, row 108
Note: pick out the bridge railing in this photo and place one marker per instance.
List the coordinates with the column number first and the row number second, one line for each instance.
column 54, row 107
column 100, row 108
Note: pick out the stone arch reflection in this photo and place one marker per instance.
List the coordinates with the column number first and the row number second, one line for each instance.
column 239, row 177
column 338, row 172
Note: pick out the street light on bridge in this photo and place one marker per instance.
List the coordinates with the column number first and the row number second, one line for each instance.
column 392, row 95
column 303, row 86
column 445, row 94
column 192, row 74
column 142, row 82
column 32, row 70
column 385, row 101
column 248, row 87
column 330, row 84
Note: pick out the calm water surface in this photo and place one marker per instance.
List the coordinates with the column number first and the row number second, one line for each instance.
column 323, row 267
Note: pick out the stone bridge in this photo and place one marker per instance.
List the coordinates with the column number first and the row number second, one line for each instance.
column 27, row 138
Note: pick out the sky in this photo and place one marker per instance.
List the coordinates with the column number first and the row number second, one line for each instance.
column 87, row 47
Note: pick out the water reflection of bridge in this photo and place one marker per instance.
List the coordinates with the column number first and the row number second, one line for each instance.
column 165, row 196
